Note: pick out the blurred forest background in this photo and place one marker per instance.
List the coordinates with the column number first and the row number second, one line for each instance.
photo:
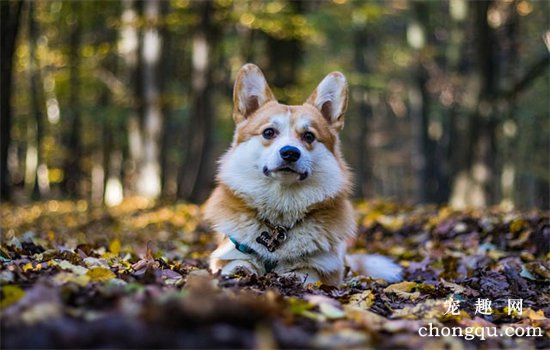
column 105, row 100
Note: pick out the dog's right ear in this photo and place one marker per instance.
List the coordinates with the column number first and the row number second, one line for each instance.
column 250, row 92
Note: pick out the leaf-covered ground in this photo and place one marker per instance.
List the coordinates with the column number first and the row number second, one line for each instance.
column 136, row 276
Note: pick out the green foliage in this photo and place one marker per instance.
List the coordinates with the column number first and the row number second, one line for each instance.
column 367, row 40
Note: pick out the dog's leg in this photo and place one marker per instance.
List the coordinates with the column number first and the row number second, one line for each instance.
column 228, row 261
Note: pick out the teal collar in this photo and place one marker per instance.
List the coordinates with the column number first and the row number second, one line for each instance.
column 245, row 249
column 241, row 247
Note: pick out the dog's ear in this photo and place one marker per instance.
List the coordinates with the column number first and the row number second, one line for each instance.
column 250, row 93
column 331, row 99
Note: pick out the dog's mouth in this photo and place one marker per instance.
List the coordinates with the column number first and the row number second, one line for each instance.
column 285, row 169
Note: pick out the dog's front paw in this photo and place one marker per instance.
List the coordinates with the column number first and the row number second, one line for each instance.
column 303, row 276
column 239, row 266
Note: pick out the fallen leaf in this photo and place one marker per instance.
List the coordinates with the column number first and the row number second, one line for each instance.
column 100, row 274
column 363, row 300
column 66, row 265
column 403, row 290
column 429, row 309
column 114, row 246
column 10, row 295
column 66, row 277
column 365, row 318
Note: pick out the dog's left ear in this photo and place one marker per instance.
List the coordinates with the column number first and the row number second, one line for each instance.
column 331, row 99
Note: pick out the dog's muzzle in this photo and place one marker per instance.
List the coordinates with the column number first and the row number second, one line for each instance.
column 287, row 168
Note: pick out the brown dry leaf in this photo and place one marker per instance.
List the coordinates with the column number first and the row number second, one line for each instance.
column 365, row 318
column 459, row 289
column 403, row 290
column 429, row 309
column 67, row 277
column 539, row 268
column 401, row 286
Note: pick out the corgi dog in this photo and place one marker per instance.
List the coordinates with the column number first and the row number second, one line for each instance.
column 281, row 202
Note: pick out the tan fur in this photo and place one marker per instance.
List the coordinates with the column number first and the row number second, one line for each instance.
column 316, row 242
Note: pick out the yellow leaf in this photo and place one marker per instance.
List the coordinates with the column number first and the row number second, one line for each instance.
column 534, row 315
column 391, row 223
column 403, row 290
column 114, row 246
column 27, row 267
column 363, row 300
column 100, row 274
column 401, row 287
column 517, row 225
column 11, row 294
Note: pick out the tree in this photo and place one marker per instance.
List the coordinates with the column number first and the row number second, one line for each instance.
column 73, row 156
column 363, row 171
column 196, row 173
column 10, row 19
column 37, row 170
column 149, row 173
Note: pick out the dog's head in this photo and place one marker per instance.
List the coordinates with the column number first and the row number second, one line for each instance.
column 286, row 147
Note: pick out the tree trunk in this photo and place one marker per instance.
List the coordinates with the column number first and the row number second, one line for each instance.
column 149, row 174
column 39, row 175
column 129, row 48
column 196, row 172
column 71, row 168
column 424, row 162
column 363, row 170
column 474, row 181
column 168, row 134
column 10, row 19
column 110, row 191
column 455, row 136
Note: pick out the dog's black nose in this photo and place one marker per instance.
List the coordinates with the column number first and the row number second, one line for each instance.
column 290, row 153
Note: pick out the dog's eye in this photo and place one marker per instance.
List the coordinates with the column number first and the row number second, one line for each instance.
column 308, row 137
column 269, row 133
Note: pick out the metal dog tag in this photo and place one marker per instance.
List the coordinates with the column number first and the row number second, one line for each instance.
column 272, row 241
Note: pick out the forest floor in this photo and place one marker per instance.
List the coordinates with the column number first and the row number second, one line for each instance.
column 136, row 276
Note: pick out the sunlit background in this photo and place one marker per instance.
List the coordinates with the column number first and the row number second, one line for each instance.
column 105, row 100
